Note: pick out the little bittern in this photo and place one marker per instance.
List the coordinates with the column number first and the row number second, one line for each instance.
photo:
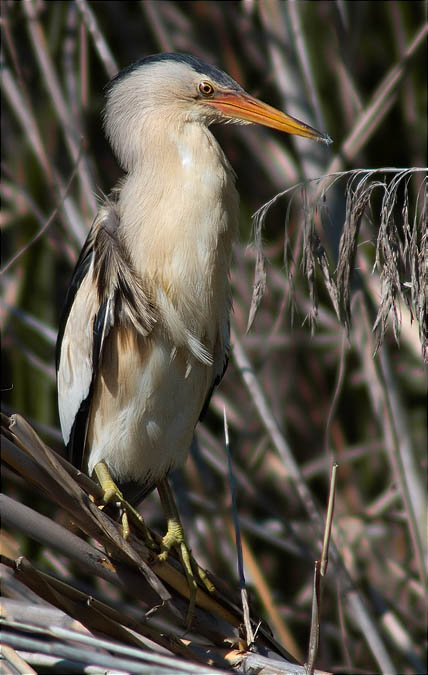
column 144, row 336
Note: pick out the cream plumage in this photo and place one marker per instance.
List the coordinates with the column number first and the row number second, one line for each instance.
column 145, row 332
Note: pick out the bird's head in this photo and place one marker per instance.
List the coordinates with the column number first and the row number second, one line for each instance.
column 175, row 89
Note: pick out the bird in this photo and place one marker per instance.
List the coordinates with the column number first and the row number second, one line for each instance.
column 144, row 335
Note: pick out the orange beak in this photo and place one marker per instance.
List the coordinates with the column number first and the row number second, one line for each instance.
column 242, row 106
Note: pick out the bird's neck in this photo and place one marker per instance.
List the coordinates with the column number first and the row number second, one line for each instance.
column 179, row 214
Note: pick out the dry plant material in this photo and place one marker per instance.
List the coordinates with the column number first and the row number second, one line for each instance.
column 244, row 594
column 130, row 566
column 320, row 571
column 372, row 95
column 399, row 236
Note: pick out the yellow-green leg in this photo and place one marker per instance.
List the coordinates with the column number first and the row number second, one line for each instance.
column 174, row 538
column 113, row 494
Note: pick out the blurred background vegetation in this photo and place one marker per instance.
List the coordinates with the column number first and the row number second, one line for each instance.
column 356, row 70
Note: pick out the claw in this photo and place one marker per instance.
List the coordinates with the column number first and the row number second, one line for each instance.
column 126, row 530
column 113, row 494
column 174, row 538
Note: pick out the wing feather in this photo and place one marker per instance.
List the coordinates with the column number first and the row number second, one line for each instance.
column 104, row 291
column 223, row 347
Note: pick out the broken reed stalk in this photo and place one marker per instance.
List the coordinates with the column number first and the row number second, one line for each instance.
column 42, row 467
column 320, row 571
column 244, row 593
column 127, row 564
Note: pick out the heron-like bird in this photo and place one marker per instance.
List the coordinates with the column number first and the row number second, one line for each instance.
column 144, row 337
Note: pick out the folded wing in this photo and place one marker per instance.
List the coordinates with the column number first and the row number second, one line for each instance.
column 105, row 291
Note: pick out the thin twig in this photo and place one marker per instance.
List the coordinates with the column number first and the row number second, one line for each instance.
column 244, row 594
column 23, row 112
column 366, row 623
column 320, row 571
column 328, row 521
column 49, row 220
column 51, row 81
column 379, row 105
column 314, row 635
column 294, row 9
column 101, row 46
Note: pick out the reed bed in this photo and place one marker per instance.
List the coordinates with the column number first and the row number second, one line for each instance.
column 329, row 348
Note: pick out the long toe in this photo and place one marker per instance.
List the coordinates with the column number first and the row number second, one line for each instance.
column 112, row 494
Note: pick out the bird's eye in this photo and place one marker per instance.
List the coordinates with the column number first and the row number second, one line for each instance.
column 206, row 89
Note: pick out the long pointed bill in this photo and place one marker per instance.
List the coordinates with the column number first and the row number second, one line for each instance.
column 242, row 106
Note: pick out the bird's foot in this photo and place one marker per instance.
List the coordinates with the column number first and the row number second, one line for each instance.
column 174, row 538
column 112, row 495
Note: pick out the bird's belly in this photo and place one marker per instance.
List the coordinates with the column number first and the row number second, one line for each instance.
column 146, row 404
